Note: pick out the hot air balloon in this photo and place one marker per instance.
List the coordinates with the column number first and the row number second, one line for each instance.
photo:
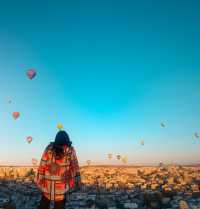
column 34, row 161
column 110, row 156
column 15, row 115
column 59, row 126
column 142, row 142
column 125, row 160
column 162, row 125
column 118, row 157
column 29, row 139
column 31, row 73
column 88, row 162
column 196, row 134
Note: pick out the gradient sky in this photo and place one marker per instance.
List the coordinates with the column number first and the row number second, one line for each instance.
column 109, row 71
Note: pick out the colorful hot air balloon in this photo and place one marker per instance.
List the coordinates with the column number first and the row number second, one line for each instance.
column 29, row 139
column 162, row 125
column 118, row 157
column 142, row 142
column 59, row 126
column 196, row 134
column 110, row 156
column 34, row 161
column 125, row 160
column 31, row 73
column 15, row 115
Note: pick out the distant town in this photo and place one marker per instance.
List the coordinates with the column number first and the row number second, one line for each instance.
column 110, row 187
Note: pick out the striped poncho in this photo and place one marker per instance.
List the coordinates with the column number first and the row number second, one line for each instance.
column 56, row 177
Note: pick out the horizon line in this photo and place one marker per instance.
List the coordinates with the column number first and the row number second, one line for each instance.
column 103, row 165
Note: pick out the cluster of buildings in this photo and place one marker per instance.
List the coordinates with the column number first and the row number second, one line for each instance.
column 110, row 187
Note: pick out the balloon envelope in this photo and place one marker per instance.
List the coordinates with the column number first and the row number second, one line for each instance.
column 59, row 126
column 110, row 156
column 88, row 162
column 29, row 139
column 124, row 160
column 34, row 161
column 118, row 157
column 162, row 124
column 16, row 115
column 31, row 73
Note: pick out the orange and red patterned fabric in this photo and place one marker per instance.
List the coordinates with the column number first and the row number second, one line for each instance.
column 57, row 176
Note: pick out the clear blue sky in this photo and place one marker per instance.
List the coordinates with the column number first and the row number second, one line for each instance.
column 110, row 71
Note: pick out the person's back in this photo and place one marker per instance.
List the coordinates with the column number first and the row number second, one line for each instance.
column 58, row 172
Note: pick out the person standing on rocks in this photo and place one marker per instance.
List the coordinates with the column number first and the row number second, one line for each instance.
column 58, row 172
